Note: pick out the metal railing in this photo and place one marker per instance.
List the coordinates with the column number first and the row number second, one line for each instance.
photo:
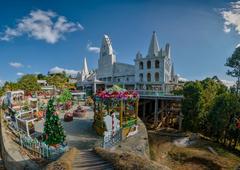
column 113, row 139
column 40, row 149
column 153, row 93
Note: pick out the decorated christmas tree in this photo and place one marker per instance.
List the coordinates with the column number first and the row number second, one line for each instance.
column 53, row 130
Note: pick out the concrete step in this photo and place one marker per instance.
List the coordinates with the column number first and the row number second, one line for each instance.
column 90, row 160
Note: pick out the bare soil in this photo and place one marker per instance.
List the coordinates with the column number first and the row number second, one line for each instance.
column 195, row 156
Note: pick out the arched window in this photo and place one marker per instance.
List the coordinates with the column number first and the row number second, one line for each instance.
column 156, row 76
column 157, row 64
column 148, row 64
column 141, row 65
column 141, row 77
column 148, row 77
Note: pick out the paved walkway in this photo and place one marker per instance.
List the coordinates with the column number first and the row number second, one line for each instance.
column 79, row 132
column 81, row 135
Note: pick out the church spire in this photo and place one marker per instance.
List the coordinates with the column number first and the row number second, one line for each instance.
column 153, row 48
column 106, row 46
column 85, row 67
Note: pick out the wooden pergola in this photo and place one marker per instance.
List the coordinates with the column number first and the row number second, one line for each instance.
column 123, row 103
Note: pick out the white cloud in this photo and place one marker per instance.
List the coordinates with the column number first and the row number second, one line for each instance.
column 37, row 73
column 60, row 70
column 180, row 78
column 16, row 64
column 92, row 48
column 228, row 83
column 231, row 17
column 20, row 74
column 42, row 25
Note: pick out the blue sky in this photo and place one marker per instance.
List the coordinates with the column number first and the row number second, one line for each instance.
column 195, row 30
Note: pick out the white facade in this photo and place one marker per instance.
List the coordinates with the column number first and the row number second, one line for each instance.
column 153, row 72
column 109, row 70
column 106, row 60
column 156, row 69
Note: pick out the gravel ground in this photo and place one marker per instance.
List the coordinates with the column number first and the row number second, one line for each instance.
column 79, row 132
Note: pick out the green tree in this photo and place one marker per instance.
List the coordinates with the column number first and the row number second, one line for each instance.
column 212, row 87
column 41, row 77
column 53, row 129
column 1, row 91
column 11, row 86
column 29, row 84
column 192, row 105
column 199, row 98
column 65, row 96
column 234, row 63
column 58, row 80
column 222, row 117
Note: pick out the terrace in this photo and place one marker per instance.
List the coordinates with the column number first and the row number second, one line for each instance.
column 150, row 94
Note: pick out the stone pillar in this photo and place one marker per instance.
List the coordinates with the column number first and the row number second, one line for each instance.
column 156, row 111
column 180, row 121
column 94, row 87
column 27, row 129
column 162, row 109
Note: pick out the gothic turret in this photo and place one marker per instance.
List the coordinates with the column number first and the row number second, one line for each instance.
column 106, row 48
column 153, row 48
column 168, row 50
column 138, row 55
column 84, row 73
column 107, row 59
column 85, row 67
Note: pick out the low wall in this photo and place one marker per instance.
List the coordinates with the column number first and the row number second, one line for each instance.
column 10, row 151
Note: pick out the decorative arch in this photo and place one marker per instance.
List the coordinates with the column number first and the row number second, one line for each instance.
column 149, row 64
column 157, row 63
column 141, row 77
column 141, row 65
column 148, row 77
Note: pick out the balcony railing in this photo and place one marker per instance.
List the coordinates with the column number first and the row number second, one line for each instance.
column 154, row 93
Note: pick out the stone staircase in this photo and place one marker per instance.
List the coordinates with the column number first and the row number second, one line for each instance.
column 89, row 160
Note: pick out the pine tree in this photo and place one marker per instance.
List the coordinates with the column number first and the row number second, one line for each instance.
column 53, row 129
column 234, row 63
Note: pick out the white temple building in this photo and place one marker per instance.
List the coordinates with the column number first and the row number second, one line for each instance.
column 109, row 70
column 153, row 72
column 156, row 70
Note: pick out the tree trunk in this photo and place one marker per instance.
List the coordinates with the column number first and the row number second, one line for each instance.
column 238, row 80
column 235, row 143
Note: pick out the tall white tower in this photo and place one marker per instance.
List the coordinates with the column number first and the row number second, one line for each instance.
column 106, row 60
